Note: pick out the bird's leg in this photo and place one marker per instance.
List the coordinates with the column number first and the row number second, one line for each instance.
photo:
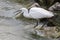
column 37, row 22
column 44, row 24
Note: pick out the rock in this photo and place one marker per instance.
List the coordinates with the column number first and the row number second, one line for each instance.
column 34, row 5
column 49, row 28
column 56, row 35
column 49, row 32
column 41, row 33
column 56, row 6
column 44, row 3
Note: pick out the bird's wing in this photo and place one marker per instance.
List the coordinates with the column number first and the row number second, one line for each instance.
column 40, row 13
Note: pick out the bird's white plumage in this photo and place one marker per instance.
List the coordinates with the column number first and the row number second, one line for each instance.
column 37, row 13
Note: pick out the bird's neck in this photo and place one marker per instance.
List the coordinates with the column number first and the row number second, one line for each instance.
column 26, row 14
column 26, row 11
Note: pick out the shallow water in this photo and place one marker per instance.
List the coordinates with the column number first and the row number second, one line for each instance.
column 13, row 29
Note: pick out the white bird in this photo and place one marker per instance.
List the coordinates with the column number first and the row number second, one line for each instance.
column 36, row 13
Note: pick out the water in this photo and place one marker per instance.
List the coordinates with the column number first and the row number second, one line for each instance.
column 13, row 29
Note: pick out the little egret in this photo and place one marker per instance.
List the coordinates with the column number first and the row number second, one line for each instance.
column 36, row 13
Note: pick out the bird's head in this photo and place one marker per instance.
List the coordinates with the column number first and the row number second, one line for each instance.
column 20, row 11
column 23, row 10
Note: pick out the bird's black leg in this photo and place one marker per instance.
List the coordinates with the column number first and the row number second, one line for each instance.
column 37, row 22
column 46, row 22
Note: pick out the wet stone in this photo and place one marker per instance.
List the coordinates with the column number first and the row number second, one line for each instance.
column 55, row 6
column 49, row 32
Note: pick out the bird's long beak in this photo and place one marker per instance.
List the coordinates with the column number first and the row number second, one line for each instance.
column 18, row 12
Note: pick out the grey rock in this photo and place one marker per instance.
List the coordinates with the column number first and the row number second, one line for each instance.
column 56, row 6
